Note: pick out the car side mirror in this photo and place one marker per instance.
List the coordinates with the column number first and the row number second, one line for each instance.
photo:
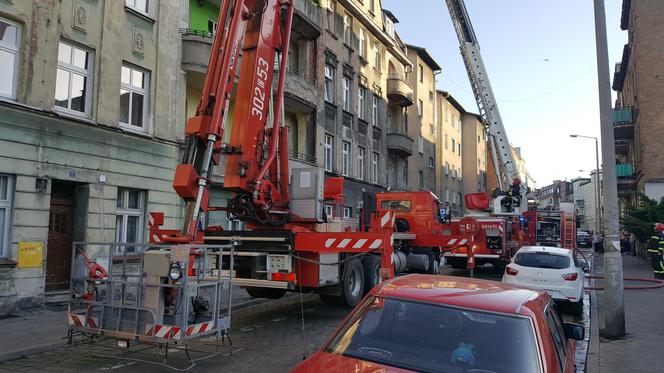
column 585, row 268
column 574, row 331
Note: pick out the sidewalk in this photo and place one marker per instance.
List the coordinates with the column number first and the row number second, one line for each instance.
column 32, row 332
column 639, row 350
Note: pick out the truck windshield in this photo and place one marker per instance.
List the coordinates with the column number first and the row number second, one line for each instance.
column 433, row 338
column 401, row 205
column 542, row 260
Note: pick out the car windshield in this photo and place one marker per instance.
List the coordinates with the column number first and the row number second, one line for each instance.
column 433, row 338
column 542, row 260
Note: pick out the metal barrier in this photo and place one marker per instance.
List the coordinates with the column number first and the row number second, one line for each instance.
column 151, row 293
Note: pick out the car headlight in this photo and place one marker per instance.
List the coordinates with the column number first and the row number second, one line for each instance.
column 175, row 272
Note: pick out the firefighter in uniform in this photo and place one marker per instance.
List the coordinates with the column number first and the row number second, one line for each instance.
column 656, row 250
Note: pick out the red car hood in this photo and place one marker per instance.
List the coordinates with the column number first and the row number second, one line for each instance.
column 327, row 362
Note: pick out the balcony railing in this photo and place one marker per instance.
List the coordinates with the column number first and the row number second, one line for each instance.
column 302, row 74
column 302, row 157
column 400, row 143
column 623, row 115
column 625, row 171
column 398, row 90
column 191, row 31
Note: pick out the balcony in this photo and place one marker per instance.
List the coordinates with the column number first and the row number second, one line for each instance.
column 400, row 144
column 626, row 179
column 300, row 87
column 196, row 47
column 306, row 20
column 398, row 91
column 623, row 123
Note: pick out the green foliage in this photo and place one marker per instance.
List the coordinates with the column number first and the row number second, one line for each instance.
column 315, row 2
column 641, row 220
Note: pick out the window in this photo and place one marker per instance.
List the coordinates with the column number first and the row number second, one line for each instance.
column 478, row 139
column 212, row 26
column 142, row 6
column 421, row 73
column 420, row 108
column 372, row 6
column 430, row 95
column 421, row 178
column 329, row 211
column 447, row 195
column 431, row 129
column 374, row 110
column 542, row 260
column 430, row 162
column 453, row 145
column 360, row 162
column 236, row 225
column 459, row 147
column 374, row 168
column 329, row 144
column 5, row 213
column 557, row 334
column 389, row 26
column 10, row 39
column 346, row 93
column 348, row 29
column 363, row 44
column 446, row 147
column 345, row 158
column 447, row 168
column 129, row 216
column 361, row 105
column 404, row 174
column 329, row 83
column 347, row 212
column 73, row 81
column 331, row 10
column 134, row 97
column 396, row 205
column 376, row 55
column 420, row 144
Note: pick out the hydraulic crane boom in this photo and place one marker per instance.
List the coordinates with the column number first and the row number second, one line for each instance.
column 501, row 152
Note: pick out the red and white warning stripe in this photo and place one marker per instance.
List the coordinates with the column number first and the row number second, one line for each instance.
column 460, row 242
column 199, row 328
column 80, row 320
column 150, row 220
column 164, row 331
column 355, row 243
column 388, row 217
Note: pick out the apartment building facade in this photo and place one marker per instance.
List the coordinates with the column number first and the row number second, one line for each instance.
column 422, row 119
column 89, row 131
column 365, row 93
column 638, row 117
column 474, row 154
column 448, row 147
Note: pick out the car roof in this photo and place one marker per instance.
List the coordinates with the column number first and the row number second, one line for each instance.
column 548, row 249
column 458, row 291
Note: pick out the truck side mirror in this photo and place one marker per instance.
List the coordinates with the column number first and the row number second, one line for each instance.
column 574, row 331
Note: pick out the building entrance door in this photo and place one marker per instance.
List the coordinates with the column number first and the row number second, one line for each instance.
column 60, row 236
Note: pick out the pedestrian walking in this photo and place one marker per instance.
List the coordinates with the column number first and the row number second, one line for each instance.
column 596, row 241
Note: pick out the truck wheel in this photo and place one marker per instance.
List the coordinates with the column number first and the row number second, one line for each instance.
column 371, row 266
column 434, row 264
column 266, row 293
column 352, row 286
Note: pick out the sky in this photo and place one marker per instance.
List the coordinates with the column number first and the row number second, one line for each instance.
column 541, row 61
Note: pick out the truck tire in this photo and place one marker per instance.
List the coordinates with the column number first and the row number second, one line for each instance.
column 352, row 286
column 267, row 293
column 371, row 266
column 434, row 264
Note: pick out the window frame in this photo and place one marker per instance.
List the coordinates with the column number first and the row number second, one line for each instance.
column 71, row 70
column 347, row 213
column 348, row 29
column 376, row 56
column 328, row 153
column 362, row 44
column 421, row 73
column 421, row 179
column 8, row 206
column 375, row 160
column 345, row 158
column 132, row 89
column 148, row 5
column 360, row 162
column 551, row 316
column 420, row 144
column 16, row 51
column 126, row 212
column 420, row 108
column 361, row 102
column 329, row 83
column 374, row 110
column 345, row 88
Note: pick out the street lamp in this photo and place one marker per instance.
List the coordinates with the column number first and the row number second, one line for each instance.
column 598, row 209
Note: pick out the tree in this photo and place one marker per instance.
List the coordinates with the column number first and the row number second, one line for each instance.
column 641, row 219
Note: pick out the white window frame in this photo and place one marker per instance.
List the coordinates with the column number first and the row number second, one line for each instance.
column 421, row 73
column 331, row 10
column 420, row 144
column 131, row 4
column 347, row 212
column 214, row 26
column 145, row 91
column 15, row 50
column 362, row 45
column 329, row 83
column 361, row 102
column 236, row 225
column 329, row 153
column 431, row 162
column 348, row 29
column 345, row 158
column 126, row 212
column 329, row 211
column 374, row 110
column 72, row 69
column 376, row 56
column 432, row 129
column 374, row 167
column 360, row 162
column 6, row 205
column 420, row 108
column 345, row 83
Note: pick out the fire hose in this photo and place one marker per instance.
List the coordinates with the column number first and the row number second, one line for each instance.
column 655, row 283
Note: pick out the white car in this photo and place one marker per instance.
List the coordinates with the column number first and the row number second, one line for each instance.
column 552, row 269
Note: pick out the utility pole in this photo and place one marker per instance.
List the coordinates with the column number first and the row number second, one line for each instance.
column 614, row 303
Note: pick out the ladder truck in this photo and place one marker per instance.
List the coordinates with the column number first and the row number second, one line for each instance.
column 279, row 251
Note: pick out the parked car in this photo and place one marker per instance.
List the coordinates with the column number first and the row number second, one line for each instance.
column 430, row 323
column 583, row 239
column 552, row 269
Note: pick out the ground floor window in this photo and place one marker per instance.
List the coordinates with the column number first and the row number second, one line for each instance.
column 129, row 216
column 6, row 195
